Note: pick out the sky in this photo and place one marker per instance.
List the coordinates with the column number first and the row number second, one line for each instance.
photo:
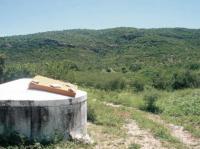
column 19, row 17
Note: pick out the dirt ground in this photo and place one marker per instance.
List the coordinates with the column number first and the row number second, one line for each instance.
column 136, row 135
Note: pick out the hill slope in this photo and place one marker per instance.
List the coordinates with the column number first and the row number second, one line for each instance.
column 163, row 58
column 136, row 69
column 109, row 47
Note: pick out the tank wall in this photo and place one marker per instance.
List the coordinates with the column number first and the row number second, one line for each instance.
column 45, row 123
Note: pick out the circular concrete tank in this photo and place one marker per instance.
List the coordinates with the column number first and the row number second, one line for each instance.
column 39, row 115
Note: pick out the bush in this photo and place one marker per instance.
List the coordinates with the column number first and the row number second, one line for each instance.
column 134, row 146
column 150, row 103
column 159, row 81
column 138, row 85
column 91, row 115
column 109, row 70
column 115, row 84
column 185, row 79
column 74, row 67
column 194, row 66
column 124, row 70
column 135, row 67
column 13, row 138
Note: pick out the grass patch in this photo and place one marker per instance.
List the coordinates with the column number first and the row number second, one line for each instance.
column 122, row 97
column 60, row 145
column 183, row 108
column 134, row 146
column 98, row 113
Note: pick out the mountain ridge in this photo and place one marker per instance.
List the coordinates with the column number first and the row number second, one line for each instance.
column 106, row 48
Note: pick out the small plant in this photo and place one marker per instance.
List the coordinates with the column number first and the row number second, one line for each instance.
column 13, row 138
column 138, row 85
column 159, row 81
column 91, row 115
column 135, row 67
column 109, row 69
column 193, row 66
column 124, row 70
column 116, row 84
column 150, row 103
column 134, row 146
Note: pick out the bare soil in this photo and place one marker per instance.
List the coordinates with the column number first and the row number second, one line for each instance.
column 142, row 137
column 134, row 135
column 178, row 131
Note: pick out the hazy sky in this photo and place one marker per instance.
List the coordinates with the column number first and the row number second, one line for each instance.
column 30, row 16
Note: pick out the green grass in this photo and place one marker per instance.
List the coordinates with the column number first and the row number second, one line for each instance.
column 100, row 114
column 120, row 97
column 183, row 108
column 134, row 146
column 179, row 107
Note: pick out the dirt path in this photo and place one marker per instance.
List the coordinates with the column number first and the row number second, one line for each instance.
column 142, row 137
column 104, row 140
column 178, row 131
column 134, row 135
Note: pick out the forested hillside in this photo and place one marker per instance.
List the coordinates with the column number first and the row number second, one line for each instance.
column 142, row 71
column 109, row 47
column 162, row 58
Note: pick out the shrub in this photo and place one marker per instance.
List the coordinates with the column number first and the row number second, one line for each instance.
column 194, row 66
column 91, row 115
column 74, row 67
column 159, row 81
column 134, row 146
column 138, row 85
column 115, row 84
column 109, row 70
column 124, row 70
column 185, row 79
column 13, row 138
column 150, row 103
column 135, row 67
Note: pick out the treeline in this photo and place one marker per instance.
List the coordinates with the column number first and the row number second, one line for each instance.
column 135, row 77
column 168, row 79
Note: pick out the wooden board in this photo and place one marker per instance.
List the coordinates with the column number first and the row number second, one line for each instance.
column 54, row 86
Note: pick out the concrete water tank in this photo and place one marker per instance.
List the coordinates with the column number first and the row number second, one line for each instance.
column 39, row 115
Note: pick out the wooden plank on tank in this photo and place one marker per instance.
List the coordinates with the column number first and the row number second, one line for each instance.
column 54, row 86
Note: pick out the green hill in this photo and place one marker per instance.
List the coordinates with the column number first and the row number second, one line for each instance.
column 113, row 47
column 153, row 70
column 138, row 53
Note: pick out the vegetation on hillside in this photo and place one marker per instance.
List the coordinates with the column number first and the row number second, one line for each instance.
column 161, row 58
column 155, row 70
